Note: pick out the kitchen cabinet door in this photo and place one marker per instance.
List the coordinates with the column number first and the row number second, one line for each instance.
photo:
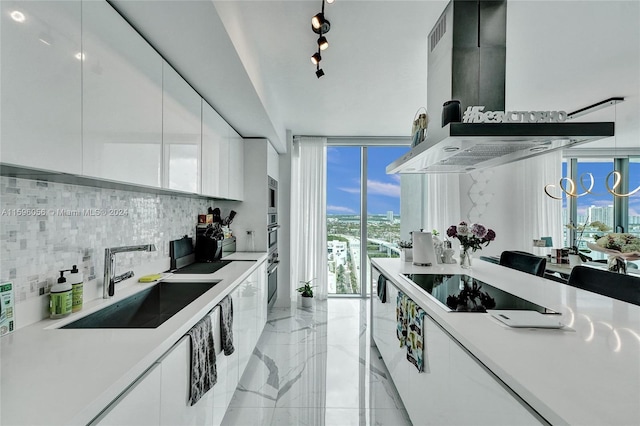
column 122, row 100
column 175, row 388
column 263, row 296
column 236, row 166
column 139, row 405
column 247, row 320
column 181, row 132
column 215, row 151
column 395, row 357
column 41, row 75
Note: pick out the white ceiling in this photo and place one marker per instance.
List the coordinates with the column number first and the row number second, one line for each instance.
column 250, row 60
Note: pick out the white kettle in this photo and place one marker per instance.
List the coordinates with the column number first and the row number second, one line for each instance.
column 423, row 251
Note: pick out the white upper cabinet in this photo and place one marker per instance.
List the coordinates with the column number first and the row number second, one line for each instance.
column 181, row 132
column 41, row 85
column 122, row 99
column 222, row 157
column 236, row 165
column 215, row 150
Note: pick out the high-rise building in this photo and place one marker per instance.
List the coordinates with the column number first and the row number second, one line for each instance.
column 390, row 215
column 601, row 214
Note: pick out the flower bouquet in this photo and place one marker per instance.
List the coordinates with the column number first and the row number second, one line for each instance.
column 626, row 246
column 620, row 248
column 471, row 238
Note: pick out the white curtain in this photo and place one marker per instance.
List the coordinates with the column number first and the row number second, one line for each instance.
column 308, row 215
column 541, row 215
column 442, row 202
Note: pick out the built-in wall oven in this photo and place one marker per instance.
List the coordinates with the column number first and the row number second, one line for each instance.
column 272, row 278
column 272, row 195
column 272, row 240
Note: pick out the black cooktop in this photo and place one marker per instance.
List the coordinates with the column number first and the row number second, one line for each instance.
column 462, row 293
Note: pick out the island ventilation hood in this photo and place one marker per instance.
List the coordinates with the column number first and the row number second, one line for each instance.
column 466, row 62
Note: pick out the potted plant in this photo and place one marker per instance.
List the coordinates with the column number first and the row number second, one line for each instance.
column 406, row 251
column 306, row 291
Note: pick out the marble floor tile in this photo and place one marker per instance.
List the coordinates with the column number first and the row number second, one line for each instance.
column 315, row 366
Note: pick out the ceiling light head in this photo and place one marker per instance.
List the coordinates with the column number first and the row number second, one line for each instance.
column 319, row 72
column 330, row 1
column 316, row 58
column 323, row 43
column 319, row 24
column 317, row 20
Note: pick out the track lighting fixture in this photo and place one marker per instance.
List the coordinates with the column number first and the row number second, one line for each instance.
column 320, row 25
column 323, row 43
column 317, row 21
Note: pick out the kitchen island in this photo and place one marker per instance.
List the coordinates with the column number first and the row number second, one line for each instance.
column 53, row 376
column 587, row 373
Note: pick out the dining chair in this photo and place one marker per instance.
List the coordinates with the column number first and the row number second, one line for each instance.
column 617, row 286
column 554, row 277
column 525, row 262
column 489, row 259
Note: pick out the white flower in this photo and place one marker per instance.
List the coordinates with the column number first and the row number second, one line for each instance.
column 462, row 230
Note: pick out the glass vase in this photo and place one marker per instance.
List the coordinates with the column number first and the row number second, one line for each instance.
column 465, row 257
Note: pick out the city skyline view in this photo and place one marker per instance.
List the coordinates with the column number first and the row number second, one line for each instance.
column 599, row 196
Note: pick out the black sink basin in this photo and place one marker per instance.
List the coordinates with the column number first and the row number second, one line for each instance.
column 146, row 309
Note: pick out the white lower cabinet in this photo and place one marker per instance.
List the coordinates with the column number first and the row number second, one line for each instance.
column 175, row 389
column 245, row 303
column 138, row 405
column 161, row 395
column 454, row 388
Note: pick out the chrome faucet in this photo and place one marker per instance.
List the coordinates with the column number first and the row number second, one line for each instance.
column 110, row 277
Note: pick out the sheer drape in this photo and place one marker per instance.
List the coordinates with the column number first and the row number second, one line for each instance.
column 308, row 215
column 442, row 202
column 542, row 215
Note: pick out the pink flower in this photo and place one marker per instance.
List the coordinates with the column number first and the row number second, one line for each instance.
column 478, row 230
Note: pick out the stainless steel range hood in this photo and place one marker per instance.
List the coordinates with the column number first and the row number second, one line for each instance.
column 466, row 61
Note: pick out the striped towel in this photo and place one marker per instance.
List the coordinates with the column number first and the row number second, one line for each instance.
column 401, row 318
column 203, row 359
column 226, row 325
column 415, row 337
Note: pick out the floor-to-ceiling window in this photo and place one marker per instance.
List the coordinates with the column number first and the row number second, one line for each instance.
column 356, row 183
column 595, row 211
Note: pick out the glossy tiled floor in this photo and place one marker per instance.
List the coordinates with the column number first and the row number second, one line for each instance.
column 315, row 366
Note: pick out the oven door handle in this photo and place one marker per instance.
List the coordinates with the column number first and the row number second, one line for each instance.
column 273, row 267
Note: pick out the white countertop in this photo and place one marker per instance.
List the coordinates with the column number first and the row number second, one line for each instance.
column 67, row 376
column 585, row 374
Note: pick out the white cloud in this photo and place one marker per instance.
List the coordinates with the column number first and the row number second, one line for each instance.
column 395, row 177
column 340, row 209
column 383, row 188
column 351, row 190
column 375, row 187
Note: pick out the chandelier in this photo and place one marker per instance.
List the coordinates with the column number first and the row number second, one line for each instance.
column 567, row 185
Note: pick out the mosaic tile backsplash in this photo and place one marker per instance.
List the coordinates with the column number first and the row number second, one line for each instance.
column 46, row 227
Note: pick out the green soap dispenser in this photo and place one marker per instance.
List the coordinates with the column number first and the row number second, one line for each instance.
column 60, row 302
column 75, row 279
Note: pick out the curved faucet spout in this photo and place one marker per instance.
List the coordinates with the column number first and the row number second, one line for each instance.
column 110, row 279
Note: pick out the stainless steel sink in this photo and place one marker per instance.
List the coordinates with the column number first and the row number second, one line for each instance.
column 146, row 309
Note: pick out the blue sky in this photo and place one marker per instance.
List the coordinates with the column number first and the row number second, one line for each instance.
column 343, row 180
column 600, row 196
